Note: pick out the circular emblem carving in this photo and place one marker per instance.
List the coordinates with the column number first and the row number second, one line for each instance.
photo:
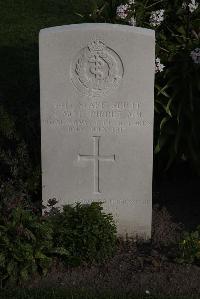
column 96, row 69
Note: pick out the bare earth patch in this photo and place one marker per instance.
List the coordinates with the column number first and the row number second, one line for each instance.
column 136, row 268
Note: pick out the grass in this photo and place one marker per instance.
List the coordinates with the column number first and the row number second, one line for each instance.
column 20, row 23
column 66, row 294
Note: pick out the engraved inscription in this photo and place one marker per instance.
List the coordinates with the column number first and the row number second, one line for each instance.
column 98, row 117
column 96, row 69
column 96, row 158
column 117, row 201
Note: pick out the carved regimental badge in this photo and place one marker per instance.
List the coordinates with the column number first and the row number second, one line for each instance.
column 96, row 69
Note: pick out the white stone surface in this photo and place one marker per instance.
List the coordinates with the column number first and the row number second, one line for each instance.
column 97, row 89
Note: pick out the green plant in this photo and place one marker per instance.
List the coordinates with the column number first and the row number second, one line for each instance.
column 189, row 247
column 177, row 88
column 25, row 243
column 85, row 231
column 96, row 10
column 17, row 175
column 29, row 241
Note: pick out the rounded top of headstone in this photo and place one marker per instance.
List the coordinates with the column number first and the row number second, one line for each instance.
column 96, row 26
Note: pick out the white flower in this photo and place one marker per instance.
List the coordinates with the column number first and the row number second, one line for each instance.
column 122, row 11
column 157, row 17
column 132, row 21
column 159, row 67
column 193, row 5
column 195, row 54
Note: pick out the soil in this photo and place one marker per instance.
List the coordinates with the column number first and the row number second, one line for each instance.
column 128, row 273
column 138, row 267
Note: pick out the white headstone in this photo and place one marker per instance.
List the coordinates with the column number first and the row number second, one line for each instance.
column 97, row 89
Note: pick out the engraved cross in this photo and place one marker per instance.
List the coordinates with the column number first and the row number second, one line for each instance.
column 96, row 158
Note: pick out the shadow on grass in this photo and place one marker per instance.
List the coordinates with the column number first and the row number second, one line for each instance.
column 19, row 84
column 20, row 23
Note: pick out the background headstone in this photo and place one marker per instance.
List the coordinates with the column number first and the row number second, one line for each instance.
column 97, row 89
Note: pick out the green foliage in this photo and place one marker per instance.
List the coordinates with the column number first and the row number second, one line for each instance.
column 189, row 247
column 177, row 88
column 29, row 241
column 25, row 244
column 86, row 233
column 17, row 174
column 96, row 10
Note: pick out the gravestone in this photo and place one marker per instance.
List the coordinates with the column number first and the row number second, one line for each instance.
column 97, row 89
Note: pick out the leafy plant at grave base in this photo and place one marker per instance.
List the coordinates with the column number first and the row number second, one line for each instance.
column 189, row 248
column 26, row 243
column 177, row 85
column 29, row 241
column 85, row 231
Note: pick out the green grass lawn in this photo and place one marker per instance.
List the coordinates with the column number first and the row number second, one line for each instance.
column 64, row 294
column 20, row 23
